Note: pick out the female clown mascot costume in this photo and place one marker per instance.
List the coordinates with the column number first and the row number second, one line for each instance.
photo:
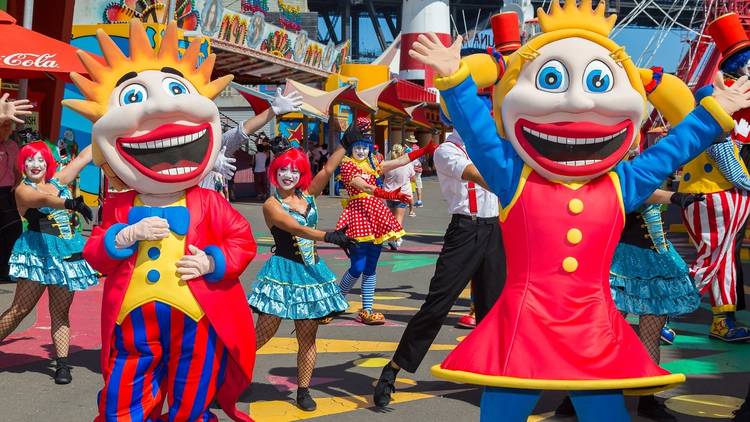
column 567, row 108
column 175, row 323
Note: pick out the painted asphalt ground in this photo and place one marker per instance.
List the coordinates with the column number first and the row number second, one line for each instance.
column 350, row 355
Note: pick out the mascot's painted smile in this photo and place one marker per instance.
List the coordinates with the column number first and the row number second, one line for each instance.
column 592, row 146
column 172, row 152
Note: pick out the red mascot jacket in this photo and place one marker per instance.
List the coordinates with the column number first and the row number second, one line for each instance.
column 213, row 221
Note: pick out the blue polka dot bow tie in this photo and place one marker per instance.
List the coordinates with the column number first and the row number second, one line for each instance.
column 177, row 217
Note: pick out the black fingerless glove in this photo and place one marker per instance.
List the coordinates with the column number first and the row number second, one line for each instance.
column 340, row 238
column 684, row 199
column 79, row 206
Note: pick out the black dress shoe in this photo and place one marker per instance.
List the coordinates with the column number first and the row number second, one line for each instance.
column 565, row 409
column 650, row 408
column 304, row 401
column 385, row 386
column 62, row 373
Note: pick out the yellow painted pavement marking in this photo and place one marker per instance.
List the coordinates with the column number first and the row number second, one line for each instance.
column 704, row 405
column 371, row 362
column 465, row 294
column 355, row 306
column 283, row 411
column 288, row 345
column 391, row 296
column 460, row 339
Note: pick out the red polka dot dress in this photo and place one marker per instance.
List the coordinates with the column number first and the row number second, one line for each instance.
column 366, row 217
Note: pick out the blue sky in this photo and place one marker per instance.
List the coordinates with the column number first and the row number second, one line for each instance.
column 635, row 41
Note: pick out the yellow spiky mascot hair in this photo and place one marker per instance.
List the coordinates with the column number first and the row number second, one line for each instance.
column 572, row 21
column 103, row 78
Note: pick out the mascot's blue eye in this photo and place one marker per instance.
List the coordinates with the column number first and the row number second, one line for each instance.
column 132, row 94
column 597, row 77
column 552, row 77
column 174, row 87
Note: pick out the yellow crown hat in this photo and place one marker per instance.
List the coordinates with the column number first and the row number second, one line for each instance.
column 103, row 78
column 581, row 17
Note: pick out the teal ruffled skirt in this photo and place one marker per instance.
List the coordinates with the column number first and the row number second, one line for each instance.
column 292, row 290
column 52, row 261
column 644, row 282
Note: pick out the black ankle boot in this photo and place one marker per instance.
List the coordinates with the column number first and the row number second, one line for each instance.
column 304, row 401
column 650, row 408
column 565, row 409
column 385, row 386
column 62, row 373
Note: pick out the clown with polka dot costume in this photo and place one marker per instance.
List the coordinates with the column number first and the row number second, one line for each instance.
column 366, row 218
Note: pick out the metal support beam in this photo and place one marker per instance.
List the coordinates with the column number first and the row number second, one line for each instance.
column 376, row 24
column 391, row 25
column 346, row 20
column 331, row 29
column 355, row 34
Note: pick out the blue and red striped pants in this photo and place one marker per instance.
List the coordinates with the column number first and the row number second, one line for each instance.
column 160, row 352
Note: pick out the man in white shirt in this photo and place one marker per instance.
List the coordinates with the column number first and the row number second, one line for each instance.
column 472, row 250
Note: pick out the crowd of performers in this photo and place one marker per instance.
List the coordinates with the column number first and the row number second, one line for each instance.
column 551, row 171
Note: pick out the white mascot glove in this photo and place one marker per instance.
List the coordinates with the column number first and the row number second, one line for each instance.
column 150, row 228
column 225, row 165
column 286, row 104
column 196, row 265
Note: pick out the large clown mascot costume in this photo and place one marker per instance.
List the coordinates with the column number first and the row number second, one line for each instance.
column 567, row 108
column 175, row 324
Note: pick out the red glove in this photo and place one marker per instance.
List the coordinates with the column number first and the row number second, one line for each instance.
column 427, row 149
column 393, row 195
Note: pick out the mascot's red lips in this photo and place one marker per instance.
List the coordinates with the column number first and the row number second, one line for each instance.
column 574, row 148
column 169, row 153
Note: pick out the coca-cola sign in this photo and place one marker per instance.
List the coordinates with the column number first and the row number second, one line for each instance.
column 31, row 60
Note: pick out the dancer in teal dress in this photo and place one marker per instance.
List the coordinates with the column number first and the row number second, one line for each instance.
column 295, row 283
column 48, row 253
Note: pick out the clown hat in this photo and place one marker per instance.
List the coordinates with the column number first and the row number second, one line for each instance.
column 729, row 35
column 506, row 32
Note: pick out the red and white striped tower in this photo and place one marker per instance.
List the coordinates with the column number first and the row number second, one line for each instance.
column 421, row 17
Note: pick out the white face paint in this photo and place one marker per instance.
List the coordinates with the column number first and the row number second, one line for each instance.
column 287, row 177
column 360, row 152
column 35, row 167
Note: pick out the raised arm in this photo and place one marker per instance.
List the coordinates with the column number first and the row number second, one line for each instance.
column 74, row 168
column 321, row 179
column 708, row 123
column 494, row 157
column 405, row 159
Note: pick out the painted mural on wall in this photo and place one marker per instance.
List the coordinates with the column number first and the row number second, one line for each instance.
column 249, row 7
column 250, row 29
column 152, row 11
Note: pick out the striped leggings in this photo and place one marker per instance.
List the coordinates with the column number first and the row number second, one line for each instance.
column 364, row 261
column 160, row 352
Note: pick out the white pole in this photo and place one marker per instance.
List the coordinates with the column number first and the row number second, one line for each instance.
column 171, row 10
column 28, row 17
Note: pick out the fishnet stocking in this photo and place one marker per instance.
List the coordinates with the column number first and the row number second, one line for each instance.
column 649, row 329
column 265, row 328
column 307, row 330
column 60, row 300
column 26, row 296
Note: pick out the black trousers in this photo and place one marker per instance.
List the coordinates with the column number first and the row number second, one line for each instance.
column 473, row 250
column 10, row 228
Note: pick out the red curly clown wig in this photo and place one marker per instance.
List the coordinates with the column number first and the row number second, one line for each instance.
column 30, row 150
column 297, row 160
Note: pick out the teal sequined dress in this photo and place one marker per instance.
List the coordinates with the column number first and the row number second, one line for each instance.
column 49, row 250
column 294, row 283
column 648, row 276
